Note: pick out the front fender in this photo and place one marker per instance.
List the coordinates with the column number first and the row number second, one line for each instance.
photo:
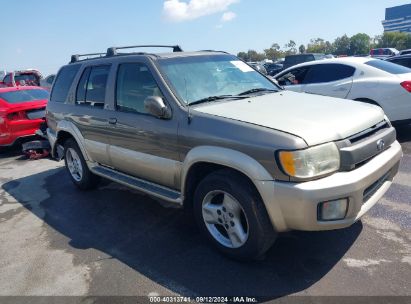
column 243, row 163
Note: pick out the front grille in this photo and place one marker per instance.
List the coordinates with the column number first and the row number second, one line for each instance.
column 360, row 148
column 372, row 189
column 369, row 132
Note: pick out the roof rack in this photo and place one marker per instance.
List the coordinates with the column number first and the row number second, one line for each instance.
column 76, row 57
column 112, row 51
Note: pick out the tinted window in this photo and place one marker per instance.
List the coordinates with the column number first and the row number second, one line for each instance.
column 293, row 77
column 328, row 72
column 388, row 67
column 24, row 95
column 91, row 89
column 82, row 86
column 134, row 84
column 63, row 83
column 402, row 61
column 7, row 78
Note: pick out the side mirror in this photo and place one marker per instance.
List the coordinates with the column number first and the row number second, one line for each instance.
column 156, row 107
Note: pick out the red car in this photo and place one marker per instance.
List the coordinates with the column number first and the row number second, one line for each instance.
column 22, row 78
column 22, row 110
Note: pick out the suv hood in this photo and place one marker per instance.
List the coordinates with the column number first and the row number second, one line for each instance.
column 317, row 119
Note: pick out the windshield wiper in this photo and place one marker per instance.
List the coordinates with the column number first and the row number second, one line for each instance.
column 214, row 98
column 256, row 90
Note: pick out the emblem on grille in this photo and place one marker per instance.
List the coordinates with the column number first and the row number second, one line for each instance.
column 380, row 145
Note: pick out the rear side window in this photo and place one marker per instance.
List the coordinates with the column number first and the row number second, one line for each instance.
column 388, row 67
column 328, row 72
column 24, row 95
column 91, row 90
column 63, row 83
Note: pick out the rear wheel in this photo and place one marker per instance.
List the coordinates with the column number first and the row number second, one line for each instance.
column 77, row 168
column 232, row 216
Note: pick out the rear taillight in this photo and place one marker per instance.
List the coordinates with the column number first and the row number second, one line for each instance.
column 17, row 115
column 406, row 85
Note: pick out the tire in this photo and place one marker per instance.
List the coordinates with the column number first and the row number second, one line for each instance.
column 232, row 216
column 77, row 168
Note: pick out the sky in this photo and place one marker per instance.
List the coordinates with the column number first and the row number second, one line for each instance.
column 43, row 34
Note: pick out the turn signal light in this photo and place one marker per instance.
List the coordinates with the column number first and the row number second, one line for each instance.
column 406, row 85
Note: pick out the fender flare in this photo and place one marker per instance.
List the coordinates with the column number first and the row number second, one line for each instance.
column 258, row 175
column 70, row 128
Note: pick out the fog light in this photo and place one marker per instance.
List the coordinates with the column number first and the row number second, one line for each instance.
column 332, row 210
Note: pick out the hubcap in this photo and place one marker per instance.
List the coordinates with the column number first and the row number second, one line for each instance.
column 225, row 219
column 74, row 164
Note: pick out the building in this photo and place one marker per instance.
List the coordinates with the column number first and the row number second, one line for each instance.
column 398, row 19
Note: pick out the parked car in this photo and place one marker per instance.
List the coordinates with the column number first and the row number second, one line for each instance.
column 203, row 130
column 404, row 60
column 404, row 52
column 368, row 80
column 292, row 60
column 258, row 67
column 383, row 52
column 22, row 110
column 48, row 81
column 28, row 77
column 273, row 68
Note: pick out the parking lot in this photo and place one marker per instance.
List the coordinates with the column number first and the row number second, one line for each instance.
column 58, row 240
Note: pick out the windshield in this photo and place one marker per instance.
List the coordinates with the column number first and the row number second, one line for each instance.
column 388, row 67
column 24, row 95
column 199, row 77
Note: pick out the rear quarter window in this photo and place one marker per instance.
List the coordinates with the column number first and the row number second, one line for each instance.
column 328, row 72
column 388, row 67
column 24, row 96
column 63, row 83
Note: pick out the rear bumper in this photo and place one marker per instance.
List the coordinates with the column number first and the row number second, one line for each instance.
column 13, row 131
column 293, row 206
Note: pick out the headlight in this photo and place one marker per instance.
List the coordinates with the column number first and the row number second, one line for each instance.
column 311, row 162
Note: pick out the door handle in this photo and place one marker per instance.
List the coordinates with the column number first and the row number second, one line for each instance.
column 112, row 121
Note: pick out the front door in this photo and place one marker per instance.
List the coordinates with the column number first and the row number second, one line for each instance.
column 142, row 145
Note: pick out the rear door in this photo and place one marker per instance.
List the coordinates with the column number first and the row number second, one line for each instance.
column 330, row 79
column 89, row 114
column 293, row 79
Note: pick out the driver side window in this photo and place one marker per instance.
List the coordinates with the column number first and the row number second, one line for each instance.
column 293, row 77
column 134, row 84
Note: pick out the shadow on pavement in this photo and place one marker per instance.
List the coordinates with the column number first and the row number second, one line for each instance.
column 165, row 245
column 403, row 133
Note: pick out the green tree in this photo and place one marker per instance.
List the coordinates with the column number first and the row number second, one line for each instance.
column 243, row 56
column 396, row 40
column 291, row 48
column 301, row 49
column 342, row 45
column 319, row 45
column 359, row 44
column 274, row 52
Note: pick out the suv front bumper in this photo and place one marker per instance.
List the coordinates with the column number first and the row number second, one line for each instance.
column 293, row 206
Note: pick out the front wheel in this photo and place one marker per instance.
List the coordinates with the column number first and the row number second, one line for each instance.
column 77, row 168
column 232, row 216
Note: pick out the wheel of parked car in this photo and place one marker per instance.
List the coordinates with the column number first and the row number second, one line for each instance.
column 76, row 166
column 232, row 216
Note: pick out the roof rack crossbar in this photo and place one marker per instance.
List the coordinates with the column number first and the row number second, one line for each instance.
column 76, row 57
column 112, row 51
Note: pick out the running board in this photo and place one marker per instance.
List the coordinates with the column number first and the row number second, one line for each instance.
column 153, row 189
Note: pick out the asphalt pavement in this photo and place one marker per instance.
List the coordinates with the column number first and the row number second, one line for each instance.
column 58, row 240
